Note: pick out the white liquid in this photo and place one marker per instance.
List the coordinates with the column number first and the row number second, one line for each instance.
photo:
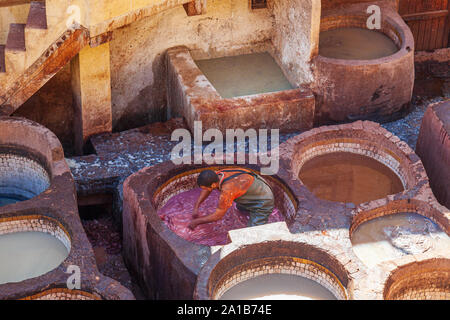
column 278, row 287
column 393, row 236
column 244, row 75
column 25, row 255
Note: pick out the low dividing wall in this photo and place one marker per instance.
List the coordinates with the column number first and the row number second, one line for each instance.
column 433, row 147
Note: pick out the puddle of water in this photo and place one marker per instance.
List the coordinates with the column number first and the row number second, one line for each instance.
column 348, row 177
column 244, row 75
column 355, row 44
column 278, row 287
column 393, row 236
column 26, row 255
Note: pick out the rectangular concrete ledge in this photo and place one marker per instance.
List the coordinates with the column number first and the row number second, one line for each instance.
column 192, row 96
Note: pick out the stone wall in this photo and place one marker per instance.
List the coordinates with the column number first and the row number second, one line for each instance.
column 433, row 147
column 296, row 37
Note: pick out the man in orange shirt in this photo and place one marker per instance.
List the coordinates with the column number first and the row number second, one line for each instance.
column 249, row 190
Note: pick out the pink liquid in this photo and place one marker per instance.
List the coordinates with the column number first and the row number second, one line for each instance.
column 177, row 214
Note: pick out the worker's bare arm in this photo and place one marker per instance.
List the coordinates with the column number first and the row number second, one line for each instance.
column 225, row 202
column 202, row 197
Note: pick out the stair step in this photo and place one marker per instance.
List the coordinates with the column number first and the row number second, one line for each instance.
column 37, row 18
column 16, row 37
column 2, row 58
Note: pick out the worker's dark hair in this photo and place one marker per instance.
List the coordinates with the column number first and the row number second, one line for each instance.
column 206, row 178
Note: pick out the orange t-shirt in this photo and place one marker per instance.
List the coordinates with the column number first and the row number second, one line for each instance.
column 233, row 188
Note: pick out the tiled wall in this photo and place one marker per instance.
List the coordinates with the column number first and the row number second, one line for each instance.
column 63, row 294
column 281, row 265
column 35, row 223
column 424, row 294
column 420, row 282
column 22, row 176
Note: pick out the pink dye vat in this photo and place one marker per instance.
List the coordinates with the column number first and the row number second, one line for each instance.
column 177, row 213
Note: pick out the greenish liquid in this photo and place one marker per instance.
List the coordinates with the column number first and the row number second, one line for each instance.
column 244, row 75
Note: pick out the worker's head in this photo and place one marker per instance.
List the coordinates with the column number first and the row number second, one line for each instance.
column 208, row 180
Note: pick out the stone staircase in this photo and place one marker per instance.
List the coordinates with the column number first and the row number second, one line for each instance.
column 35, row 51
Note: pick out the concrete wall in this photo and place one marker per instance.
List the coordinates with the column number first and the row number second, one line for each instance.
column 296, row 36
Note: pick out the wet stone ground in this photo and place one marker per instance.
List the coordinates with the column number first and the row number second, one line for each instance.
column 106, row 241
column 119, row 155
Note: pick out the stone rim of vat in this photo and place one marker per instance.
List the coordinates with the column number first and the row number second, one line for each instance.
column 57, row 204
column 355, row 16
column 221, row 272
column 420, row 279
column 141, row 223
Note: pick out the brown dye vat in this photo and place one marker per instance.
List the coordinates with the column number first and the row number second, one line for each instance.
column 355, row 44
column 348, row 177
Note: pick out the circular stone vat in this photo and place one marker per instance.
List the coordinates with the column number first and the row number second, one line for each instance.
column 264, row 271
column 31, row 246
column 393, row 236
column 356, row 162
column 424, row 280
column 21, row 177
column 363, row 74
column 349, row 177
column 175, row 201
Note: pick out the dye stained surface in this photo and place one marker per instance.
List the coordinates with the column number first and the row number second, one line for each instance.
column 355, row 44
column 26, row 255
column 348, row 177
column 393, row 236
column 278, row 287
column 244, row 75
column 177, row 214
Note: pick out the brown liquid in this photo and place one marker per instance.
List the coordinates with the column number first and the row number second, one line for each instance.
column 355, row 44
column 244, row 75
column 349, row 177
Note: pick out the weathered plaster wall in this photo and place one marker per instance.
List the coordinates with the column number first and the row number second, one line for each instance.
column 296, row 36
column 14, row 14
column 138, row 69
column 137, row 52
